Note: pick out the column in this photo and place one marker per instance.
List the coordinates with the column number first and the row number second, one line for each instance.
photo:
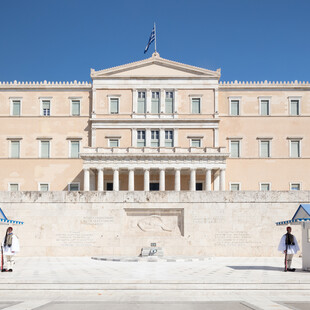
column 86, row 179
column 116, row 180
column 100, row 180
column 131, row 179
column 162, row 180
column 134, row 100
column 208, row 179
column 222, row 179
column 192, row 184
column 216, row 137
column 148, row 100
column 216, row 180
column 146, row 180
column 177, row 180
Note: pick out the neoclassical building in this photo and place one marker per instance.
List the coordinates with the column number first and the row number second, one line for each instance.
column 154, row 125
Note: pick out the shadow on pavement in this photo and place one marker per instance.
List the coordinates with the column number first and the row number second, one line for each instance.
column 270, row 268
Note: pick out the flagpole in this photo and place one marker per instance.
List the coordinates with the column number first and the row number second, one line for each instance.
column 155, row 36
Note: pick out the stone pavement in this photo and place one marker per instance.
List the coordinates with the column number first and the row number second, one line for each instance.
column 53, row 283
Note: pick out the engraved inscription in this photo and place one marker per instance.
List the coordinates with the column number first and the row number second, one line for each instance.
column 97, row 220
column 75, row 239
column 239, row 238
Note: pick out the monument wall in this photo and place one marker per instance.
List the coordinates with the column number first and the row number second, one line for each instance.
column 121, row 223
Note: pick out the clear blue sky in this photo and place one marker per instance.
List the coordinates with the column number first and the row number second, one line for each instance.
column 60, row 40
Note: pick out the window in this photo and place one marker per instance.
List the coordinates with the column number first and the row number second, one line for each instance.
column 15, row 149
column 140, row 138
column 265, row 186
column 264, row 107
column 294, row 107
column 234, row 107
column 264, row 149
column 234, row 149
column 295, row 148
column 196, row 108
column 46, row 107
column 155, row 102
column 141, row 102
column 13, row 187
column 74, row 149
column 113, row 142
column 43, row 187
column 295, row 187
column 109, row 186
column 199, row 186
column 169, row 102
column 44, row 149
column 74, row 187
column 235, row 186
column 195, row 142
column 114, row 105
column 75, row 107
column 15, row 107
column 168, row 138
column 154, row 138
column 154, row 186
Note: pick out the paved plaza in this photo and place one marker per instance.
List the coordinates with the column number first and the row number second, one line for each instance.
column 53, row 283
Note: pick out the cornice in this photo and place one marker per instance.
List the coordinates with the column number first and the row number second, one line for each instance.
column 45, row 84
column 263, row 84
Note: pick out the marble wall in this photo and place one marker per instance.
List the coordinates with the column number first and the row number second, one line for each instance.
column 121, row 223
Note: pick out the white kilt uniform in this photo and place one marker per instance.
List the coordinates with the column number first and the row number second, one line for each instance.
column 9, row 252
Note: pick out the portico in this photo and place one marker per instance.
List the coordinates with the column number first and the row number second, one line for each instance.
column 175, row 169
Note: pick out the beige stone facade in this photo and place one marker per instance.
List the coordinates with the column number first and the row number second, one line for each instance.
column 154, row 125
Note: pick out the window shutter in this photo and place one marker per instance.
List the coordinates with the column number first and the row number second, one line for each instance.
column 75, row 149
column 141, row 105
column 196, row 105
column 196, row 143
column 15, row 148
column 234, row 149
column 294, row 107
column 16, row 107
column 114, row 105
column 169, row 106
column 45, row 149
column 264, row 109
column 13, row 187
column 265, row 149
column 295, row 149
column 75, row 107
column 234, row 187
column 234, row 107
column 44, row 187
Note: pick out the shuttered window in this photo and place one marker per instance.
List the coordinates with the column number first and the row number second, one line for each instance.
column 154, row 138
column 295, row 107
column 264, row 148
column 234, row 107
column 195, row 142
column 264, row 107
column 16, row 107
column 45, row 149
column 140, row 138
column 169, row 102
column 75, row 149
column 141, row 102
column 114, row 105
column 196, row 105
column 113, row 142
column 155, row 102
column 168, row 138
column 75, row 107
column 295, row 148
column 235, row 187
column 265, row 187
column 234, row 148
column 295, row 187
column 44, row 187
column 14, row 187
column 73, row 187
column 15, row 149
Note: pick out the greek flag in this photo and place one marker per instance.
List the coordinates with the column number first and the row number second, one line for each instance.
column 151, row 39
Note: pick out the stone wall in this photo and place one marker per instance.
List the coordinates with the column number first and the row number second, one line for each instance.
column 121, row 223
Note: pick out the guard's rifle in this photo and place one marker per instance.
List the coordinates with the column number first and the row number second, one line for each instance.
column 286, row 246
column 1, row 258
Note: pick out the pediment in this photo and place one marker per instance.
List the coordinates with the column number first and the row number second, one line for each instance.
column 155, row 67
